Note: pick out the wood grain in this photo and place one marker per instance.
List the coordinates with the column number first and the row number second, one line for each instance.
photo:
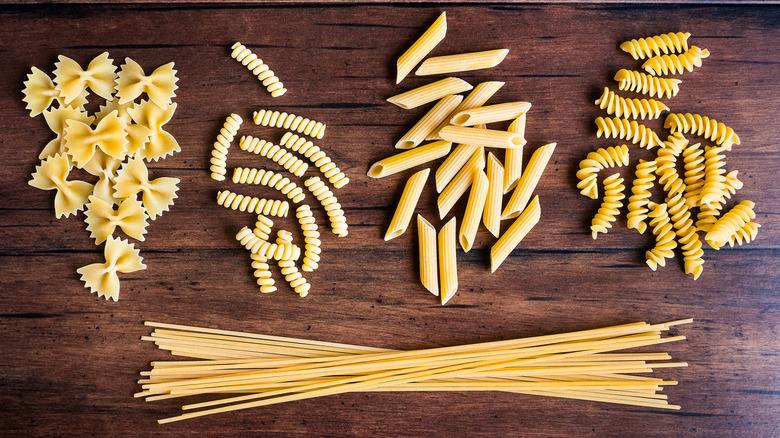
column 70, row 359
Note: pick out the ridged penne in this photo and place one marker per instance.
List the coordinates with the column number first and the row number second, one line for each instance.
column 516, row 232
column 490, row 113
column 407, row 204
column 461, row 62
column 421, row 47
column 430, row 92
column 411, row 158
column 448, row 268
column 452, row 164
column 527, row 183
column 474, row 210
column 492, row 214
column 461, row 182
column 429, row 264
column 513, row 158
column 476, row 98
column 425, row 126
column 482, row 137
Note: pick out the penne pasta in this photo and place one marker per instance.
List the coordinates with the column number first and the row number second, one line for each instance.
column 513, row 160
column 482, row 137
column 478, row 96
column 474, row 210
column 492, row 214
column 461, row 62
column 448, row 270
column 429, row 264
column 458, row 186
column 428, row 93
column 452, row 164
column 516, row 232
column 490, row 114
column 409, row 159
column 527, row 183
column 422, row 47
column 429, row 122
column 407, row 204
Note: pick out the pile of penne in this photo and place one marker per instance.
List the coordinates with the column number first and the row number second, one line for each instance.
column 455, row 119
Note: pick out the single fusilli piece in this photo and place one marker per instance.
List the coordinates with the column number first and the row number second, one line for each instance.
column 675, row 64
column 667, row 166
column 746, row 234
column 245, row 175
column 686, row 234
column 338, row 222
column 610, row 206
column 693, row 156
column 221, row 146
column 714, row 177
column 629, row 130
column 702, row 126
column 643, row 83
column 634, row 108
column 664, row 236
column 289, row 270
column 258, row 68
column 312, row 250
column 729, row 224
column 653, row 46
column 602, row 158
column 276, row 251
column 289, row 121
column 637, row 203
column 235, row 201
column 275, row 153
column 263, row 227
column 262, row 273
column 316, row 156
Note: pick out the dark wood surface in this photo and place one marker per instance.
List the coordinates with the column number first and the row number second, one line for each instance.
column 70, row 360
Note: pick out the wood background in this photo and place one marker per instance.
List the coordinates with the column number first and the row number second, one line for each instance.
column 70, row 360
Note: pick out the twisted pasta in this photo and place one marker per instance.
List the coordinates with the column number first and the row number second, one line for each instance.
column 316, row 156
column 39, row 92
column 252, row 204
column 702, row 126
column 263, row 227
column 312, row 250
column 276, row 251
column 161, row 142
column 629, row 130
column 637, row 203
column 289, row 121
column 643, row 83
column 258, row 68
column 667, row 168
column 102, row 219
column 262, row 273
column 51, row 175
column 689, row 241
column 275, row 153
column 667, row 43
column 610, row 207
column 746, row 234
column 72, row 80
column 157, row 195
column 693, row 156
column 121, row 256
column 221, row 146
column 595, row 161
column 675, row 64
column 729, row 224
column 664, row 236
column 109, row 136
column 708, row 215
column 624, row 107
column 712, row 190
column 245, row 175
column 338, row 222
column 294, row 278
column 160, row 85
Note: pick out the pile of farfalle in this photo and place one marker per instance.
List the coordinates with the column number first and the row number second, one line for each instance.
column 113, row 145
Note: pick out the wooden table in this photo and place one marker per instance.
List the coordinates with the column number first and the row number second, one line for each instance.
column 70, row 360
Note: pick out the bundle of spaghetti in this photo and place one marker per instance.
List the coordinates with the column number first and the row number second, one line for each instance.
column 221, row 146
column 268, row 178
column 275, row 153
column 258, row 370
column 317, row 157
column 289, row 121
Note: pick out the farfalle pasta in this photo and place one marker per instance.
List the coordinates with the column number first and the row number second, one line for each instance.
column 102, row 219
column 104, row 167
column 161, row 142
column 52, row 175
column 157, row 194
column 40, row 91
column 72, row 80
column 109, row 136
column 56, row 118
column 102, row 278
column 160, row 85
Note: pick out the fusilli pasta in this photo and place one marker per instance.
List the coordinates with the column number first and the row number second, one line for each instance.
column 689, row 241
column 338, row 222
column 693, row 156
column 634, row 108
column 714, row 186
column 637, row 203
column 643, row 83
column 252, row 204
column 275, row 153
column 317, row 156
column 289, row 121
column 675, row 64
column 667, row 43
column 294, row 278
column 702, row 126
column 610, row 206
column 629, row 130
column 595, row 161
column 276, row 251
column 221, row 146
column 258, row 68
column 312, row 250
column 262, row 273
column 243, row 175
column 664, row 236
column 729, row 224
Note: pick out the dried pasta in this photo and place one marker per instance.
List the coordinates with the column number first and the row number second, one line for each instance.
column 746, row 234
column 513, row 158
column 262, row 272
column 461, row 182
column 109, row 136
column 408, row 159
column 515, row 233
column 263, row 227
column 702, row 126
column 276, row 251
column 425, row 126
column 634, row 108
column 482, row 137
column 39, row 93
column 448, row 267
column 429, row 93
column 476, row 98
column 475, row 208
column 312, row 250
column 714, row 186
column 72, row 80
column 653, row 46
column 452, row 165
column 667, row 168
column 235, row 201
column 675, row 64
column 157, row 194
column 429, row 264
column 687, row 237
column 693, row 156
column 51, row 175
column 294, row 278
column 629, row 130
column 56, row 119
column 420, row 49
column 492, row 214
column 105, row 168
column 338, row 222
column 637, row 202
column 221, row 146
column 664, row 236
column 242, row 54
column 160, row 85
column 275, row 153
column 610, row 206
column 317, row 156
column 161, row 142
column 289, row 121
column 528, row 181
column 461, row 62
column 490, row 114
column 243, row 175
column 643, row 83
column 102, row 278
column 407, row 204
column 725, row 228
column 102, row 219
column 596, row 161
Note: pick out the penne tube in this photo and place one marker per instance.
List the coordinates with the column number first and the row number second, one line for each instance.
column 407, row 204
column 428, row 93
column 448, row 270
column 461, row 62
column 411, row 158
column 474, row 210
column 452, row 164
column 458, row 186
column 429, row 263
column 492, row 213
column 429, row 122
column 527, row 183
column 422, row 47
column 516, row 232
column 490, row 114
column 513, row 160
column 482, row 137
column 478, row 96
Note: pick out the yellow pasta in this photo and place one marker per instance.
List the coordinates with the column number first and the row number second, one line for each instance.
column 474, row 210
column 476, row 98
column 317, row 156
column 161, row 142
column 610, row 206
column 647, row 47
column 262, row 272
column 411, row 158
column 482, row 137
column 264, row 74
column 421, row 47
column 72, row 80
column 602, row 158
column 746, row 234
column 276, row 251
column 675, row 64
column 263, row 227
column 513, row 158
column 634, row 108
column 102, row 278
column 461, row 62
column 56, row 119
column 294, row 278
column 528, row 181
column 242, row 175
column 160, row 85
column 157, row 194
column 664, row 236
column 712, row 191
column 515, row 233
column 448, row 267
column 407, row 204
column 105, row 168
column 687, row 237
column 102, row 219
column 461, row 182
column 429, row 93
column 312, row 250
column 702, row 126
column 629, row 130
column 693, row 156
column 51, row 175
column 235, row 201
column 492, row 213
column 425, row 126
column 39, row 92
column 490, row 113
column 725, row 228
column 643, row 83
column 221, row 146
column 338, row 222
column 637, row 203
column 429, row 265
column 109, row 136
column 275, row 153
column 289, row 121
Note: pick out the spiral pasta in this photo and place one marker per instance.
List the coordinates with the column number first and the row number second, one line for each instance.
column 629, row 130
column 729, row 224
column 675, row 64
column 667, row 167
column 294, row 278
column 245, row 175
column 667, row 43
column 664, row 236
column 312, row 250
column 595, row 161
column 702, row 126
column 746, row 234
column 686, row 234
column 634, row 108
column 258, row 68
column 316, row 156
column 263, row 227
column 712, row 190
column 637, row 203
column 289, row 121
column 276, row 251
column 221, row 146
column 693, row 156
column 653, row 86
column 275, row 153
column 236, row 201
column 338, row 222
column 610, row 206
column 262, row 273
